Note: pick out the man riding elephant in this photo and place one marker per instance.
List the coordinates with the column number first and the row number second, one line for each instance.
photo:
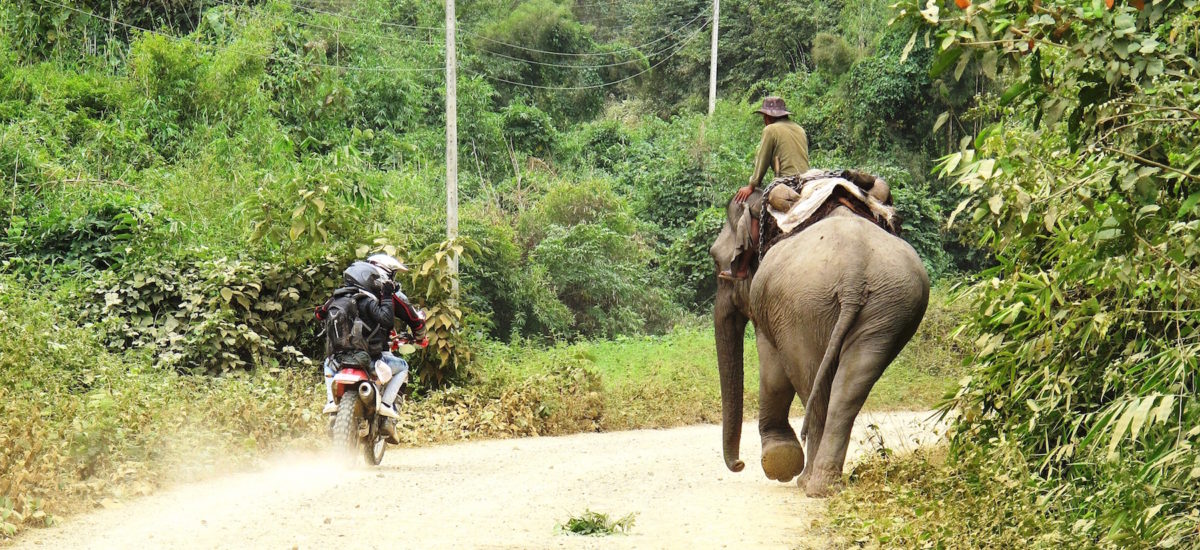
column 784, row 149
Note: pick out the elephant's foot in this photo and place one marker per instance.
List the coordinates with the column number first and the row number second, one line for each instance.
column 821, row 483
column 782, row 460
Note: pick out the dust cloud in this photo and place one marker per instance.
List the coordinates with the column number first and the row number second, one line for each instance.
column 488, row 494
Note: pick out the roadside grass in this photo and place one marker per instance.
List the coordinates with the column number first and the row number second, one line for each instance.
column 82, row 427
column 923, row 500
column 671, row 380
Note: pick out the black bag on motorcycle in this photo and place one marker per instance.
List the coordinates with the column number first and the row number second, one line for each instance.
column 346, row 335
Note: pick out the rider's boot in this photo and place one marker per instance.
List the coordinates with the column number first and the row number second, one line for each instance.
column 389, row 430
column 388, row 411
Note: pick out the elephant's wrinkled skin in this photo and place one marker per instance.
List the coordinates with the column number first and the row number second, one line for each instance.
column 832, row 307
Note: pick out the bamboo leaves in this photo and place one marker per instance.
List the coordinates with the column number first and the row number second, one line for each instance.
column 1085, row 189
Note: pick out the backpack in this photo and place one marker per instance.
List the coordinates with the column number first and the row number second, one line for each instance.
column 346, row 335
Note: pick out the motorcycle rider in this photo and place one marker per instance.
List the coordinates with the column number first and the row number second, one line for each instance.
column 405, row 312
column 377, row 276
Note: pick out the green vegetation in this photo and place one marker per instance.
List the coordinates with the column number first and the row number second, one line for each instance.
column 669, row 380
column 1078, row 419
column 925, row 499
column 182, row 182
column 81, row 425
column 595, row 524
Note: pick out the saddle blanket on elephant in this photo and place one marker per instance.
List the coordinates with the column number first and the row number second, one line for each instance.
column 793, row 204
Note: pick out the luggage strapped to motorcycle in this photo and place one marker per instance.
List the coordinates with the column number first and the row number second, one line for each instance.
column 346, row 335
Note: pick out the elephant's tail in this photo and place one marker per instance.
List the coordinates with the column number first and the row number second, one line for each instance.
column 818, row 400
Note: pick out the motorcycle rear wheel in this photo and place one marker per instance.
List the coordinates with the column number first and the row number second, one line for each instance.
column 373, row 450
column 345, row 424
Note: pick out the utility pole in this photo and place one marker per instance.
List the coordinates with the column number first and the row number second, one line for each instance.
column 451, row 138
column 712, row 71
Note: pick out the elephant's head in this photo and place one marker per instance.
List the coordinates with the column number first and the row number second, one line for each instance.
column 731, row 313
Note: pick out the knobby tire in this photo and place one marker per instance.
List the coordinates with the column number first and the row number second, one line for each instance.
column 345, row 424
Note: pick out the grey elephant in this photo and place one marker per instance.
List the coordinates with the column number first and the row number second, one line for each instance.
column 832, row 306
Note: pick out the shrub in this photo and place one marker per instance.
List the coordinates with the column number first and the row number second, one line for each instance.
column 688, row 265
column 449, row 351
column 831, row 53
column 888, row 94
column 81, row 423
column 1085, row 356
column 54, row 241
column 211, row 316
column 168, row 74
column 547, row 26
column 529, row 130
column 602, row 144
column 604, row 278
column 567, row 204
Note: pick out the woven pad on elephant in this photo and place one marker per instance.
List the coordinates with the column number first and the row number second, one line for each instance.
column 770, row 232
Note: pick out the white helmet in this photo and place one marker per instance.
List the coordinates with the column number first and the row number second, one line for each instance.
column 388, row 264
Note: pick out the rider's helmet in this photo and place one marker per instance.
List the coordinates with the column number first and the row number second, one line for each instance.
column 388, row 264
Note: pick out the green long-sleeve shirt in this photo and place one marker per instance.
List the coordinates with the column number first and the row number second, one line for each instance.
column 784, row 148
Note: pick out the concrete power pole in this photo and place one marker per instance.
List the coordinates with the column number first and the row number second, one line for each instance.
column 451, row 137
column 712, row 71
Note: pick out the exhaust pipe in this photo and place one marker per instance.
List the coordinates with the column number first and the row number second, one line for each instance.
column 366, row 393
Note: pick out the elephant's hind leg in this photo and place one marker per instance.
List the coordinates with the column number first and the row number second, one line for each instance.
column 859, row 369
column 782, row 455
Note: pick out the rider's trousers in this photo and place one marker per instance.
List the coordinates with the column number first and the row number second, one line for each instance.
column 399, row 376
column 399, row 369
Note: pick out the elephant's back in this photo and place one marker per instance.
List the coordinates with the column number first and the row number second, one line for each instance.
column 802, row 278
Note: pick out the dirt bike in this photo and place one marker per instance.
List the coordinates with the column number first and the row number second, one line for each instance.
column 356, row 390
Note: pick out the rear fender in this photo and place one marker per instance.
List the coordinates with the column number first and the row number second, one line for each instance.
column 347, row 378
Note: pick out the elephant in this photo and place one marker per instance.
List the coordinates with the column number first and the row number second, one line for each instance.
column 832, row 306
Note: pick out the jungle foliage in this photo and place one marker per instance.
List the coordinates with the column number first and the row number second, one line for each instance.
column 1084, row 184
column 199, row 185
column 181, row 182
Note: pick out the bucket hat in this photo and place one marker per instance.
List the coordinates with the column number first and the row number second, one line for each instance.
column 773, row 106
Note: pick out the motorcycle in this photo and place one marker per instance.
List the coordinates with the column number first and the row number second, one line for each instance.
column 356, row 425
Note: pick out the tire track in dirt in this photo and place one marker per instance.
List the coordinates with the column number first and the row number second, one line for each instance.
column 488, row 494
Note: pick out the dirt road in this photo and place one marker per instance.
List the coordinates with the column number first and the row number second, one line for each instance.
column 490, row 494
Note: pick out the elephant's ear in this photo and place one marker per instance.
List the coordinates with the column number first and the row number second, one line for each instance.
column 755, row 202
column 734, row 210
column 725, row 248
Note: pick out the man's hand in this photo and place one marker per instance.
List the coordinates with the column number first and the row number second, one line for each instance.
column 743, row 193
column 387, row 288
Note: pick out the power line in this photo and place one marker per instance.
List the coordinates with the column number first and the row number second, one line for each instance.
column 263, row 56
column 592, row 54
column 573, row 66
column 483, row 50
column 352, row 18
column 681, row 47
column 590, row 5
column 310, row 24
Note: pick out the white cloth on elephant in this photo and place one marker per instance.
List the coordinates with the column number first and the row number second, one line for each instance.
column 815, row 193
